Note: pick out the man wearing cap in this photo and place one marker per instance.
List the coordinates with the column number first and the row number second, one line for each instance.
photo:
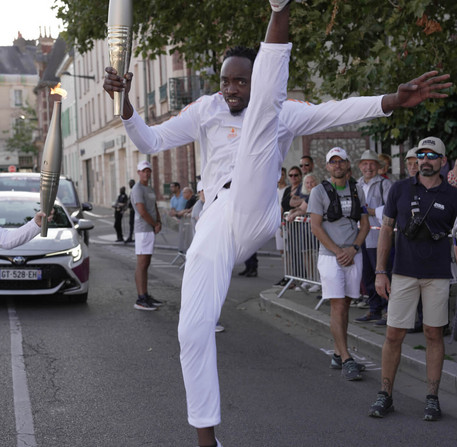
column 423, row 208
column 376, row 189
column 411, row 162
column 147, row 225
column 337, row 207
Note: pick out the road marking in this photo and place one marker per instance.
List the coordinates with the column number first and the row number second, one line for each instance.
column 22, row 406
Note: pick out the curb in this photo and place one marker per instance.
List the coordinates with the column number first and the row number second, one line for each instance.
column 412, row 360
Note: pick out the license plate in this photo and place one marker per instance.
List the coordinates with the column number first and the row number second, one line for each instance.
column 18, row 274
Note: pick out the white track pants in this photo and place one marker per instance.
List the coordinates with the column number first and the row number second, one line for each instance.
column 234, row 226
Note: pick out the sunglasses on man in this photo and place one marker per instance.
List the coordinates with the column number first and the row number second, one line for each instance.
column 305, row 164
column 430, row 155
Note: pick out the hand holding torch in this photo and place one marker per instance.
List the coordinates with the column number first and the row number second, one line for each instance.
column 120, row 18
column 50, row 167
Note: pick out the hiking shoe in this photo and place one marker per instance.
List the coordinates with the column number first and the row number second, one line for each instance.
column 337, row 363
column 369, row 316
column 143, row 304
column 432, row 410
column 382, row 406
column 153, row 301
column 350, row 370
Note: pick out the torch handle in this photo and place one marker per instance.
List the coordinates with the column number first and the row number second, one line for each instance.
column 120, row 47
column 44, row 226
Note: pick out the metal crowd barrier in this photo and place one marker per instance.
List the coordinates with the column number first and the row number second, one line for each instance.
column 301, row 249
column 184, row 239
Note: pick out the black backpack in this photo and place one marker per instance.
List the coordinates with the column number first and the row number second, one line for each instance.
column 334, row 211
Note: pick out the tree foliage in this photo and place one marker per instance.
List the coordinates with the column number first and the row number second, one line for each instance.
column 23, row 132
column 341, row 47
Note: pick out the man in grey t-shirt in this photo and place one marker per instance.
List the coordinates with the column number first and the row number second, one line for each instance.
column 336, row 206
column 147, row 225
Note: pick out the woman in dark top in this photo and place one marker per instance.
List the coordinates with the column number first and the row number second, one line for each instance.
column 295, row 178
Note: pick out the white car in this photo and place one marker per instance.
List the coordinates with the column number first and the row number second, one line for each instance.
column 56, row 264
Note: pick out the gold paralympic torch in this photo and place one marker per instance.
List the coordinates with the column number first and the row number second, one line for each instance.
column 120, row 18
column 50, row 166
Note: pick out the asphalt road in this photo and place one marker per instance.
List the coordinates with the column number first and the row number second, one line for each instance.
column 104, row 374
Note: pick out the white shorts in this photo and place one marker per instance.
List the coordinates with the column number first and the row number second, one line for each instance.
column 338, row 281
column 144, row 243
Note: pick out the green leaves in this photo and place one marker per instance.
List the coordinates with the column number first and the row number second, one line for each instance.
column 352, row 46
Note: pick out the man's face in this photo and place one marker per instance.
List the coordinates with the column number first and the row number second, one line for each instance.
column 173, row 188
column 235, row 83
column 145, row 175
column 306, row 165
column 369, row 169
column 187, row 194
column 427, row 167
column 337, row 167
column 412, row 166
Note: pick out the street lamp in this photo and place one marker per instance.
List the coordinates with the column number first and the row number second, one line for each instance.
column 66, row 73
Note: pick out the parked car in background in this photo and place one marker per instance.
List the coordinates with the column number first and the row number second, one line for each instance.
column 56, row 264
column 67, row 193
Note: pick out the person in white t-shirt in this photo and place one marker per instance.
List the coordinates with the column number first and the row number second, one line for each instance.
column 244, row 136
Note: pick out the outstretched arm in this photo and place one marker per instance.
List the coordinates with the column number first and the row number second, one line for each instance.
column 416, row 91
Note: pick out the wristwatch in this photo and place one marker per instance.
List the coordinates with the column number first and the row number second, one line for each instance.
column 357, row 247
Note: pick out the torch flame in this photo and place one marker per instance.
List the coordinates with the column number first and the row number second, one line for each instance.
column 58, row 91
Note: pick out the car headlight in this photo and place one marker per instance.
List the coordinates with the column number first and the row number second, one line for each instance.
column 76, row 253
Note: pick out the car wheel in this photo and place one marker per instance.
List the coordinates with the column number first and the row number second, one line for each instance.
column 82, row 298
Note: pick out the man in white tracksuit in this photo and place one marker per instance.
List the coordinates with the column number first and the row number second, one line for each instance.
column 242, row 151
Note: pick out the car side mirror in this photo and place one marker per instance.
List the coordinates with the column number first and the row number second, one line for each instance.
column 83, row 224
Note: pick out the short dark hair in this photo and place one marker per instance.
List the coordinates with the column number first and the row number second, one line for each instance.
column 240, row 51
column 176, row 184
column 308, row 157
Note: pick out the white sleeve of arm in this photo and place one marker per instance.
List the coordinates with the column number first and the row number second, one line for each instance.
column 177, row 131
column 10, row 238
column 304, row 119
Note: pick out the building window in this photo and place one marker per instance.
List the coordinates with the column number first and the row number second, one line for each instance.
column 18, row 98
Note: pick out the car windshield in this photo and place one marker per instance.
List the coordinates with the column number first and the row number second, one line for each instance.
column 16, row 212
column 65, row 192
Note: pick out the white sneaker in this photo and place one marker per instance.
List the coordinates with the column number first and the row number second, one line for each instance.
column 278, row 5
column 315, row 288
column 219, row 327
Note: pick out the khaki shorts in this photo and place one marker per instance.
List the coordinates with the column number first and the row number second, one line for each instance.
column 404, row 297
column 144, row 243
column 338, row 281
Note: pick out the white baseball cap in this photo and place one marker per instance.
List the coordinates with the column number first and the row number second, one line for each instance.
column 338, row 152
column 144, row 165
column 433, row 143
column 411, row 153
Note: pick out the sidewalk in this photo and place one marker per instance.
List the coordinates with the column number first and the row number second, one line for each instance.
column 365, row 338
